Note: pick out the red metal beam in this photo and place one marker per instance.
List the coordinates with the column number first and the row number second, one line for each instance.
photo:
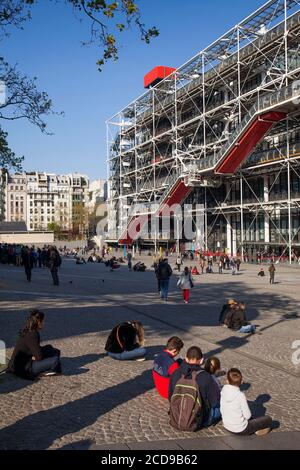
column 248, row 141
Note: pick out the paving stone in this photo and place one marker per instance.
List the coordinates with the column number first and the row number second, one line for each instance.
column 109, row 402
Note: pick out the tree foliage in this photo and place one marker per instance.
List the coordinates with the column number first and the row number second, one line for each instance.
column 24, row 100
column 107, row 19
column 8, row 159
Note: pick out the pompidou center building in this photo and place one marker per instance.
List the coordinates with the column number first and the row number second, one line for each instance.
column 220, row 134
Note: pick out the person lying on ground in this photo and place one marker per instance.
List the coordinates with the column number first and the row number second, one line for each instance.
column 165, row 364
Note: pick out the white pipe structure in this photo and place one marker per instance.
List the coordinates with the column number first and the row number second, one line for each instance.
column 186, row 124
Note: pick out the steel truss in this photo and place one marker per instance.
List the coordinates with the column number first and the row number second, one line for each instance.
column 183, row 125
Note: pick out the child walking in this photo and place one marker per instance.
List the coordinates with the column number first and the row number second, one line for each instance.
column 185, row 282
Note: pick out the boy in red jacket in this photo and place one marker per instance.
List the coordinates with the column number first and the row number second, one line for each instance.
column 165, row 364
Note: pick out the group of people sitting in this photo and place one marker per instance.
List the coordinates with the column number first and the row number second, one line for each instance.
column 233, row 316
column 207, row 401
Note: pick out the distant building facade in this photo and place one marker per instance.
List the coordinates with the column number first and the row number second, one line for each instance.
column 97, row 204
column 46, row 200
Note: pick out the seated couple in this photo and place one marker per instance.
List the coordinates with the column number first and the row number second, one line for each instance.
column 126, row 341
column 29, row 359
column 233, row 316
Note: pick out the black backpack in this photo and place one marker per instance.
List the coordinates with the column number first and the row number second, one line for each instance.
column 186, row 404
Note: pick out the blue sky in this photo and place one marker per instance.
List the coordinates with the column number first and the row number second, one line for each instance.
column 50, row 48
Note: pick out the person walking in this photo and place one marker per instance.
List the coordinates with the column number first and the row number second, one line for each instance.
column 18, row 253
column 272, row 273
column 233, row 266
column 54, row 263
column 39, row 257
column 238, row 264
column 156, row 267
column 185, row 282
column 202, row 264
column 129, row 260
column 178, row 263
column 27, row 260
column 164, row 272
column 221, row 266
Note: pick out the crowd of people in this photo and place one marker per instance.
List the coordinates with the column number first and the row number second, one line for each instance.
column 31, row 257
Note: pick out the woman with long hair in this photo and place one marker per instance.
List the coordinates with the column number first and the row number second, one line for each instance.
column 126, row 341
column 185, row 282
column 29, row 359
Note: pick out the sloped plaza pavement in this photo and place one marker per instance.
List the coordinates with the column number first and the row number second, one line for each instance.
column 102, row 403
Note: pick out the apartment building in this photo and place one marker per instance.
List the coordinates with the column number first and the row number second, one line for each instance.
column 44, row 200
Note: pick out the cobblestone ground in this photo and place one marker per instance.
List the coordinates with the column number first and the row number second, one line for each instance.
column 101, row 401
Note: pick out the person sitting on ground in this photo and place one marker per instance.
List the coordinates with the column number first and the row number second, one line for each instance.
column 235, row 411
column 206, row 385
column 29, row 359
column 165, row 364
column 261, row 272
column 141, row 267
column 195, row 271
column 213, row 367
column 126, row 341
column 231, row 304
column 236, row 319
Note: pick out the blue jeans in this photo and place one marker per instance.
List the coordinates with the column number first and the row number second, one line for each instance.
column 127, row 355
column 248, row 329
column 50, row 364
column 164, row 287
column 213, row 417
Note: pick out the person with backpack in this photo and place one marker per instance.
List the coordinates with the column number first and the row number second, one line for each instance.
column 188, row 412
column 54, row 264
column 235, row 411
column 185, row 282
column 165, row 364
column 164, row 272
